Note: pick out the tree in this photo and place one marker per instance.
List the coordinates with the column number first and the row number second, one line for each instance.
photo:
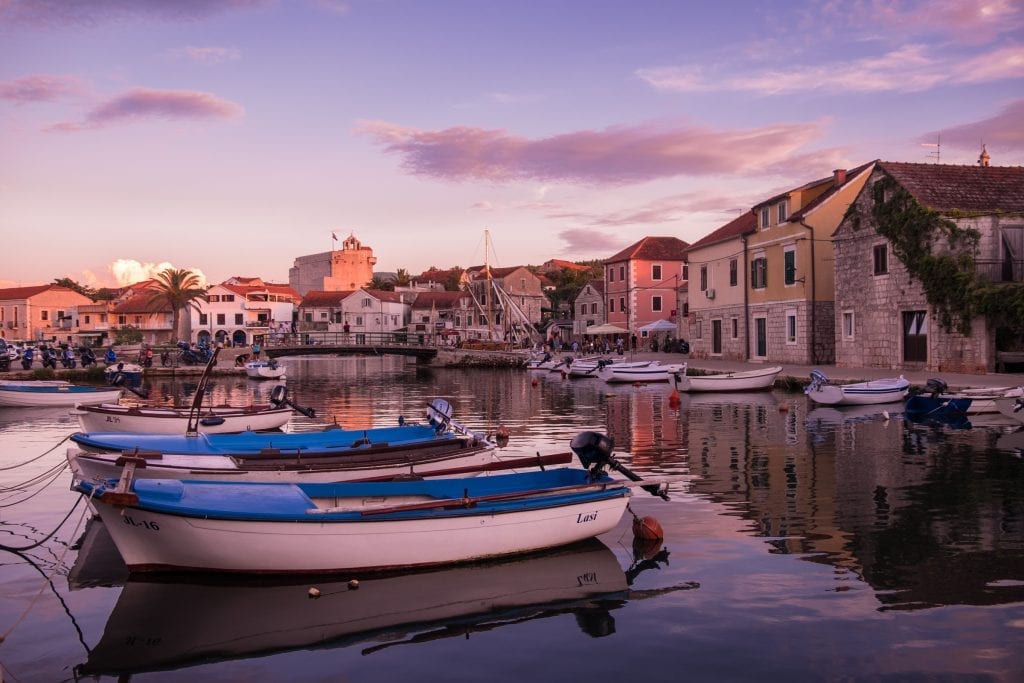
column 177, row 289
column 381, row 284
column 75, row 286
column 402, row 278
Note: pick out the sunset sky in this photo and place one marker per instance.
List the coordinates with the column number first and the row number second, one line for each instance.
column 231, row 136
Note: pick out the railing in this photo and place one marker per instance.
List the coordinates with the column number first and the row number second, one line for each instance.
column 1000, row 270
column 369, row 339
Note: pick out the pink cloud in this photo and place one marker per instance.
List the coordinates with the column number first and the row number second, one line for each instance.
column 588, row 241
column 143, row 103
column 963, row 21
column 613, row 156
column 1004, row 131
column 39, row 88
column 910, row 68
column 68, row 12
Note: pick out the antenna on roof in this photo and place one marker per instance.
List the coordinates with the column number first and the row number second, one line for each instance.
column 937, row 154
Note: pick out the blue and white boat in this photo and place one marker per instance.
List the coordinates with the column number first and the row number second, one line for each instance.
column 173, row 525
column 878, row 391
column 58, row 393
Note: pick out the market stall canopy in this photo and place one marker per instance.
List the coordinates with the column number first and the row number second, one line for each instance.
column 606, row 328
column 659, row 326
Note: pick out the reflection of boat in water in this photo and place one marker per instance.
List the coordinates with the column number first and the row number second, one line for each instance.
column 189, row 622
column 849, row 413
column 98, row 562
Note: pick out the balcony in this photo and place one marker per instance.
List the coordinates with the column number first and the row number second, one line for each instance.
column 999, row 270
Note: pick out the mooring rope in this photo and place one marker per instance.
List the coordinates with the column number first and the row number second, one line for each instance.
column 59, row 563
column 56, row 471
column 44, row 454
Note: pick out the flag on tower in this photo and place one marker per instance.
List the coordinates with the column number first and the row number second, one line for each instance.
column 334, row 236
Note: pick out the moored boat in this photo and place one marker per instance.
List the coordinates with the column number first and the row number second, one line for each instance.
column 265, row 369
column 640, row 371
column 114, row 417
column 588, row 366
column 748, row 380
column 54, row 394
column 888, row 390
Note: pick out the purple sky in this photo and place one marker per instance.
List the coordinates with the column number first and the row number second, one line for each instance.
column 231, row 136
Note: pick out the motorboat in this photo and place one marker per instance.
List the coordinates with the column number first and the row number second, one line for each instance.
column 265, row 369
column 640, row 371
column 888, row 390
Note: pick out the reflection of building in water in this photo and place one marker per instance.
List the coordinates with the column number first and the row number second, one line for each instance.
column 645, row 425
column 924, row 515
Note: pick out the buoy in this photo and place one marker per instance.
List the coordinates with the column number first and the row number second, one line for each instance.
column 353, row 584
column 885, row 414
column 502, row 432
column 534, row 382
column 314, row 592
column 647, row 528
column 673, row 399
column 783, row 408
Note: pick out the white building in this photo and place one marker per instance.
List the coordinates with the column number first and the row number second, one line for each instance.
column 242, row 311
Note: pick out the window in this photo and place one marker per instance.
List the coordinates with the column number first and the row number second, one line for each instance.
column 686, row 309
column 765, row 217
column 791, row 327
column 138, row 321
column 622, row 304
column 214, row 298
column 88, row 319
column 593, row 308
column 783, row 211
column 700, row 329
column 308, row 317
column 121, row 320
column 238, row 318
column 848, row 321
column 359, row 321
column 44, row 315
column 881, row 257
column 759, row 273
column 735, row 328
column 703, row 277
column 656, row 272
column 611, row 305
column 686, row 271
column 656, row 303
column 611, row 273
column 228, row 297
column 366, row 303
column 583, row 309
column 733, row 272
column 220, row 318
column 622, row 273
column 204, row 319
column 789, row 265
column 103, row 317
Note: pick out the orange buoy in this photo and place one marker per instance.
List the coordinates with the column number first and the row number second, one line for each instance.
column 534, row 382
column 647, row 528
column 673, row 399
column 783, row 408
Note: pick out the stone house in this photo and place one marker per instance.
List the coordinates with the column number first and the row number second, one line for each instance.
column 442, row 317
column 791, row 280
column 885, row 317
column 717, row 312
column 359, row 312
column 588, row 307
column 345, row 269
column 641, row 282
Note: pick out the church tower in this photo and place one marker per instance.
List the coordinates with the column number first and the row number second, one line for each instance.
column 341, row 270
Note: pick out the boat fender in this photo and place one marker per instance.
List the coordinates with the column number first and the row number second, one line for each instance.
column 353, row 584
column 673, row 399
column 647, row 528
column 212, row 421
column 314, row 592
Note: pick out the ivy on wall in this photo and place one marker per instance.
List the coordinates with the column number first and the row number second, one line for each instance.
column 941, row 256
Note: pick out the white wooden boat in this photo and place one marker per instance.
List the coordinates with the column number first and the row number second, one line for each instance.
column 748, row 380
column 588, row 366
column 265, row 369
column 640, row 371
column 1010, row 406
column 202, row 621
column 449, row 458
column 113, row 417
column 888, row 390
column 168, row 524
column 39, row 394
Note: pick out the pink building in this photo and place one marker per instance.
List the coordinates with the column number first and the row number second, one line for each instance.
column 641, row 282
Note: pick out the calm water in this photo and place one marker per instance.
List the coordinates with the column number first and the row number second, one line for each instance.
column 804, row 544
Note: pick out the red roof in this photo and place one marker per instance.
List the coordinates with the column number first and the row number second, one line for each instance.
column 22, row 292
column 947, row 188
column 653, row 249
column 321, row 298
column 442, row 300
column 744, row 224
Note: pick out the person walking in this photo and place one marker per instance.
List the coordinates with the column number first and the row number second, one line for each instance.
column 256, row 350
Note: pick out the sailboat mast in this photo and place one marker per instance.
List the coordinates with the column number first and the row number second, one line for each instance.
column 489, row 314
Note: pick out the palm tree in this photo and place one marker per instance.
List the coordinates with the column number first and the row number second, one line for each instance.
column 177, row 289
column 402, row 278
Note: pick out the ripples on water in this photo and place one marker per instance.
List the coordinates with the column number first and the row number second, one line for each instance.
column 806, row 543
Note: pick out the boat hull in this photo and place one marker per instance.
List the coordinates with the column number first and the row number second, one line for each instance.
column 860, row 394
column 158, row 540
column 55, row 395
column 156, row 420
column 751, row 380
column 646, row 372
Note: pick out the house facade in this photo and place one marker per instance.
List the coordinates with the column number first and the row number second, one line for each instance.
column 884, row 316
column 241, row 311
column 641, row 282
column 717, row 312
column 358, row 312
column 791, row 278
column 444, row 318
column 41, row 312
column 588, row 308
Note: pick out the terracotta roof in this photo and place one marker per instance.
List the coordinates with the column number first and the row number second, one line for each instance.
column 139, row 304
column 559, row 263
column 442, row 300
column 653, row 249
column 387, row 295
column 22, row 292
column 744, row 224
column 946, row 188
column 266, row 287
column 320, row 298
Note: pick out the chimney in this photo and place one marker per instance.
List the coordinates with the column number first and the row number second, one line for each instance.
column 984, row 158
column 840, row 176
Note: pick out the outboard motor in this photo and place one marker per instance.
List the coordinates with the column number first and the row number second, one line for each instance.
column 279, row 397
column 818, row 380
column 935, row 387
column 595, row 451
column 439, row 414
